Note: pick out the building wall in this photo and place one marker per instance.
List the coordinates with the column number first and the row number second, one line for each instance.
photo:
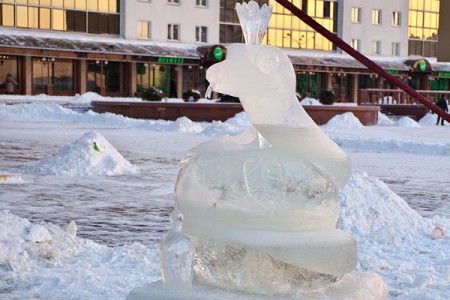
column 368, row 32
column 161, row 13
column 443, row 53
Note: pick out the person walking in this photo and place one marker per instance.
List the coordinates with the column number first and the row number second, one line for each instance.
column 442, row 104
column 10, row 84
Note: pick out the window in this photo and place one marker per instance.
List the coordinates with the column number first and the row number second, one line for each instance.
column 376, row 47
column 203, row 3
column 395, row 49
column 143, row 30
column 174, row 1
column 376, row 17
column 356, row 14
column 326, row 9
column 173, row 32
column 356, row 44
column 396, row 18
column 201, row 34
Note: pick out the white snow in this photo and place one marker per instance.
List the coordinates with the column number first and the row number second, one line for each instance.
column 344, row 121
column 39, row 260
column 91, row 155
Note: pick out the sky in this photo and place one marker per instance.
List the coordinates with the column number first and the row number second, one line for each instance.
column 120, row 197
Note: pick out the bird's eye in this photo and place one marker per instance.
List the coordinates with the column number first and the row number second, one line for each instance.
column 267, row 60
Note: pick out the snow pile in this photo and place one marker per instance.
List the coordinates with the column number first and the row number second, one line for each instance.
column 310, row 101
column 43, row 261
column 91, row 155
column 344, row 121
column 430, row 119
column 384, row 120
column 11, row 179
column 407, row 122
column 394, row 240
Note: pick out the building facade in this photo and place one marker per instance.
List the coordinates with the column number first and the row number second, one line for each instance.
column 120, row 48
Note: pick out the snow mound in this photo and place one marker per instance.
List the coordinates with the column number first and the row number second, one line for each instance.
column 384, row 120
column 91, row 155
column 44, row 261
column 394, row 240
column 310, row 101
column 368, row 206
column 407, row 122
column 344, row 121
column 429, row 120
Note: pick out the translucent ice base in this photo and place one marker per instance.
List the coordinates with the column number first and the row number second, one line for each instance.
column 367, row 286
column 274, row 262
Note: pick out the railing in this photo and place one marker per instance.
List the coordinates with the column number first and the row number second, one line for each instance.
column 396, row 96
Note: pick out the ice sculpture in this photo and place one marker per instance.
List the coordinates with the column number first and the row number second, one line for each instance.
column 261, row 207
column 177, row 254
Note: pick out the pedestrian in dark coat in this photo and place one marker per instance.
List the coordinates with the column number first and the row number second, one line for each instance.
column 442, row 104
column 10, row 84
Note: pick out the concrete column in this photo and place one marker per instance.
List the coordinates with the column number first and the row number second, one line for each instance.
column 28, row 75
column 180, row 81
column 82, row 76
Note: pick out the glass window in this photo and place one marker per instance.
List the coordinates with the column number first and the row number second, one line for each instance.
column 396, row 49
column 356, row 14
column 7, row 15
column 58, row 19
column 396, row 20
column 45, row 2
column 376, row 16
column 58, row 3
column 201, row 34
column 22, row 16
column 103, row 5
column 114, row 6
column 63, row 75
column 203, row 3
column 69, row 4
column 173, row 32
column 376, row 47
column 44, row 18
column 40, row 74
column 33, row 17
column 174, row 1
column 92, row 5
column 33, row 2
column 143, row 29
column 356, row 44
column 81, row 4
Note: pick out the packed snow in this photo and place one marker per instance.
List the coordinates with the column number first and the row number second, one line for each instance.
column 397, row 194
column 91, row 155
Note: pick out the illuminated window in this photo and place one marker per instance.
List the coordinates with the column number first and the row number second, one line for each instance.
column 201, row 34
column 396, row 49
column 143, row 29
column 287, row 31
column 62, row 15
column 376, row 16
column 173, row 32
column 356, row 14
column 396, row 18
column 356, row 44
column 376, row 47
column 8, row 15
column 423, row 24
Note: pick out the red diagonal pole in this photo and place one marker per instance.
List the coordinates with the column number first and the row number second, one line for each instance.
column 361, row 58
